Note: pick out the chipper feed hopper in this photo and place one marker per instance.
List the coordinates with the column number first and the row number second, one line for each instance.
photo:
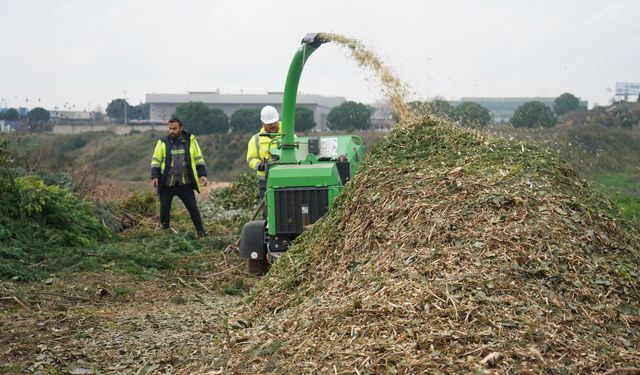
column 304, row 176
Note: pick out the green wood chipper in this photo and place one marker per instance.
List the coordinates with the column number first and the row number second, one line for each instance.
column 304, row 176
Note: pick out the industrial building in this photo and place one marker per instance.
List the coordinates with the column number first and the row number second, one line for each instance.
column 162, row 106
column 74, row 116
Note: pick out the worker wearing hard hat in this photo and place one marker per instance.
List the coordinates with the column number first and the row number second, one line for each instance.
column 258, row 147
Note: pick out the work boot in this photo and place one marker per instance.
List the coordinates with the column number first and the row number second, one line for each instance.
column 202, row 234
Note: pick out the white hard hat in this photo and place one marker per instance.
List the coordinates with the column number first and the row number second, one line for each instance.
column 269, row 115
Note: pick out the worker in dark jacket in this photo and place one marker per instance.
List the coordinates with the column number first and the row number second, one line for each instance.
column 178, row 168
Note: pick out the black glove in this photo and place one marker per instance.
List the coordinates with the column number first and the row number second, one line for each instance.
column 261, row 166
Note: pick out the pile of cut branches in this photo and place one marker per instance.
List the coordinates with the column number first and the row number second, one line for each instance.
column 453, row 252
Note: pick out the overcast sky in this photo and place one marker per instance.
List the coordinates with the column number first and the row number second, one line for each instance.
column 86, row 53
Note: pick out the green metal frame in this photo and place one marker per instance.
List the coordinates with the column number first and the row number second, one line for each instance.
column 295, row 166
column 310, row 43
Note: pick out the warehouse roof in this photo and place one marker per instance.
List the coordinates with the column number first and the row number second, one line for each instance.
column 216, row 98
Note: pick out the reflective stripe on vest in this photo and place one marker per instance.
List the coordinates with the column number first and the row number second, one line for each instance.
column 257, row 137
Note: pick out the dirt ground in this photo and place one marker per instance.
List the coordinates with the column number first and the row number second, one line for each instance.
column 109, row 323
column 118, row 323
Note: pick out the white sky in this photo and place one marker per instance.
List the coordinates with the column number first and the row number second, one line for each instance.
column 86, row 53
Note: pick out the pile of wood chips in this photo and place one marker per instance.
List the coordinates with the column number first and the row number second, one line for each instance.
column 451, row 252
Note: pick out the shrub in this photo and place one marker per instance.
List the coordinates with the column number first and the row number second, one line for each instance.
column 533, row 114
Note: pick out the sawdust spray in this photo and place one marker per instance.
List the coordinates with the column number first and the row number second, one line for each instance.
column 392, row 88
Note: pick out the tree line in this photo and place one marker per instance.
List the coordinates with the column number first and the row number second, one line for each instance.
column 348, row 116
column 532, row 114
column 204, row 120
column 201, row 119
column 36, row 118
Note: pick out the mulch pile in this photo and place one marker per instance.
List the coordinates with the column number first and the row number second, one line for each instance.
column 452, row 252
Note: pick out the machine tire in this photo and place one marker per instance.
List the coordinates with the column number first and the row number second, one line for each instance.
column 252, row 239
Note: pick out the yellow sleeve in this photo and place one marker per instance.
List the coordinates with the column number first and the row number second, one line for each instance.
column 197, row 160
column 197, row 155
column 253, row 154
column 158, row 155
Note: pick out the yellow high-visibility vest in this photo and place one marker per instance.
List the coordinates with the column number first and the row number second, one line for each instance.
column 258, row 149
column 193, row 153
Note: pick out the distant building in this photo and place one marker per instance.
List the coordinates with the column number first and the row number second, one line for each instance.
column 503, row 108
column 162, row 106
column 74, row 115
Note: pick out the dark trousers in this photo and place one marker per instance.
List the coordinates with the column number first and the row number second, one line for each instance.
column 262, row 188
column 186, row 195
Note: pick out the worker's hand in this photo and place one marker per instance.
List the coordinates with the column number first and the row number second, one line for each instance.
column 204, row 181
column 154, row 182
column 261, row 166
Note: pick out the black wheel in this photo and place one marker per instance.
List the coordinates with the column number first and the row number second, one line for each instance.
column 253, row 246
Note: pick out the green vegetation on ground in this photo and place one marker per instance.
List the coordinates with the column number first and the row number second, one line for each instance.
column 623, row 188
column 241, row 194
column 45, row 228
column 39, row 223
column 94, row 295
